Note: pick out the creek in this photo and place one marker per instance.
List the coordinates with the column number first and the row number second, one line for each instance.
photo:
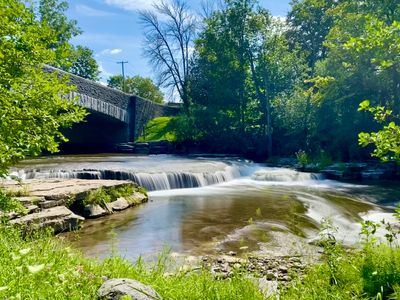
column 208, row 205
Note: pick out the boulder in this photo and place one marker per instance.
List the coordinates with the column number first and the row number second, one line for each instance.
column 119, row 204
column 115, row 289
column 59, row 218
column 93, row 211
column 137, row 198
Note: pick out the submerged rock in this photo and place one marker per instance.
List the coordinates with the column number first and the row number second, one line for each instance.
column 115, row 289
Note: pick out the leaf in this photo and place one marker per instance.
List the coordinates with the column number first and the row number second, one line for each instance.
column 364, row 105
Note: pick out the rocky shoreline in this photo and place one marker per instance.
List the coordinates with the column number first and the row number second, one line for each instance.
column 59, row 203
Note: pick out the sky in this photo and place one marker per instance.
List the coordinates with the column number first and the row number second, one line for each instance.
column 111, row 28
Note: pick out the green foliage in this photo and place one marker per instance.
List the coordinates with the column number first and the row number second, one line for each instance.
column 9, row 204
column 41, row 267
column 310, row 22
column 77, row 60
column 143, row 87
column 83, row 63
column 33, row 106
column 121, row 191
column 372, row 272
column 302, row 158
column 386, row 140
column 106, row 195
column 99, row 197
column 160, row 129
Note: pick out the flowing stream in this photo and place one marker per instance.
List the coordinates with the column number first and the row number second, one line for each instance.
column 200, row 205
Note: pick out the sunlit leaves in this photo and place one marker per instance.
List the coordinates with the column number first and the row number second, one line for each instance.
column 33, row 106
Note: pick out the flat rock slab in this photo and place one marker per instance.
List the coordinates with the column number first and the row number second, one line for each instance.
column 115, row 289
column 59, row 218
column 61, row 189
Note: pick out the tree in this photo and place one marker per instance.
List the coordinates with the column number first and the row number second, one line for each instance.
column 33, row 106
column 362, row 62
column 76, row 60
column 309, row 23
column 143, row 87
column 83, row 63
column 169, row 34
column 386, row 140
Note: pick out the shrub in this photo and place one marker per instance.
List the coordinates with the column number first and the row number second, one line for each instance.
column 99, row 197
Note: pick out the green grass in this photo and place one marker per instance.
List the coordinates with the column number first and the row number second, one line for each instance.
column 9, row 204
column 103, row 196
column 43, row 267
column 99, row 197
column 159, row 129
column 372, row 272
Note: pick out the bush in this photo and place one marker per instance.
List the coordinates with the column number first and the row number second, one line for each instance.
column 9, row 204
column 99, row 197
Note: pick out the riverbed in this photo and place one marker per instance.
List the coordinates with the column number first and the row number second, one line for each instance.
column 205, row 206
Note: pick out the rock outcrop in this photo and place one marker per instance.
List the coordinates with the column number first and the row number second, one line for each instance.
column 59, row 218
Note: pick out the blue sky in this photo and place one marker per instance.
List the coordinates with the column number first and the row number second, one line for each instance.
column 112, row 30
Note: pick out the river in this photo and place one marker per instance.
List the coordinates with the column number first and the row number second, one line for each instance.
column 203, row 205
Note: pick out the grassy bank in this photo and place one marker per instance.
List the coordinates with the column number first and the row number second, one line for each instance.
column 44, row 267
column 371, row 272
column 159, row 129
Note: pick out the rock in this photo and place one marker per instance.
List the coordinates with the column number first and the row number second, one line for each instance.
column 117, row 288
column 119, row 204
column 94, row 211
column 50, row 203
column 137, row 198
column 271, row 275
column 59, row 218
column 26, row 201
column 268, row 288
column 232, row 253
column 32, row 209
column 283, row 269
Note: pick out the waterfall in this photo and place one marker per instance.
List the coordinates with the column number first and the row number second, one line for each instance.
column 284, row 175
column 151, row 181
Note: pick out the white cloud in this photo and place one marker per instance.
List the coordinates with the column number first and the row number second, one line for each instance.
column 104, row 74
column 91, row 12
column 110, row 52
column 115, row 51
column 131, row 5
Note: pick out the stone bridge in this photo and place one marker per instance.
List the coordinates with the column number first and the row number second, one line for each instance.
column 115, row 117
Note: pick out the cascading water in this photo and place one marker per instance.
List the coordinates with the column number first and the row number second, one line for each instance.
column 164, row 180
column 284, row 204
column 167, row 175
column 284, row 175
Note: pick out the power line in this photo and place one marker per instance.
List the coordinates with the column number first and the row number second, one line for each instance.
column 123, row 73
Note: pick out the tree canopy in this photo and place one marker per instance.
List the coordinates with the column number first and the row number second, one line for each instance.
column 273, row 87
column 77, row 60
column 33, row 104
column 143, row 87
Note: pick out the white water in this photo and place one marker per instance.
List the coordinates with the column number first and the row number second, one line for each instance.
column 203, row 204
column 157, row 173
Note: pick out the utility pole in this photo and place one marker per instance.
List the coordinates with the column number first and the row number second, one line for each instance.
column 123, row 73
